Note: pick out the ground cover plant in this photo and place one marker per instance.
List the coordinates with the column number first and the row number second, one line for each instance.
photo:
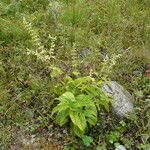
column 55, row 56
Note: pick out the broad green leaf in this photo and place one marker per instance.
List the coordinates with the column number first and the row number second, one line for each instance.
column 77, row 131
column 62, row 117
column 87, row 140
column 60, row 107
column 74, row 117
column 85, row 103
column 91, row 110
column 91, row 116
column 67, row 96
column 83, row 124
column 78, row 119
column 84, row 100
column 92, row 120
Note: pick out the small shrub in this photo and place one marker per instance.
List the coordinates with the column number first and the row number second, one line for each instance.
column 80, row 104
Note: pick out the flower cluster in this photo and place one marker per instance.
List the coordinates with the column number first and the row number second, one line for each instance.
column 40, row 52
column 108, row 64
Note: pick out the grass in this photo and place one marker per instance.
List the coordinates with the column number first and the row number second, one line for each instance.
column 85, row 31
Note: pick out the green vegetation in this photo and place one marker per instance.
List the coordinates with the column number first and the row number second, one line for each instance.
column 80, row 104
column 54, row 57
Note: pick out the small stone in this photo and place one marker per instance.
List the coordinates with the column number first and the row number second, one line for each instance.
column 98, row 124
column 120, row 147
column 65, row 131
column 27, row 143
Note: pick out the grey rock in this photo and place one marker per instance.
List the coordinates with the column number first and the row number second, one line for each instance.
column 120, row 147
column 122, row 99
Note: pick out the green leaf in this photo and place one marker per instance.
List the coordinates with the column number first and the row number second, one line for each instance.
column 67, row 96
column 76, row 73
column 87, row 140
column 79, row 81
column 83, row 123
column 74, row 117
column 77, row 131
column 104, row 101
column 92, row 119
column 93, row 90
column 84, row 100
column 62, row 117
column 91, row 110
column 78, row 119
column 101, row 147
column 56, row 72
column 113, row 136
column 91, row 115
column 60, row 107
column 139, row 94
